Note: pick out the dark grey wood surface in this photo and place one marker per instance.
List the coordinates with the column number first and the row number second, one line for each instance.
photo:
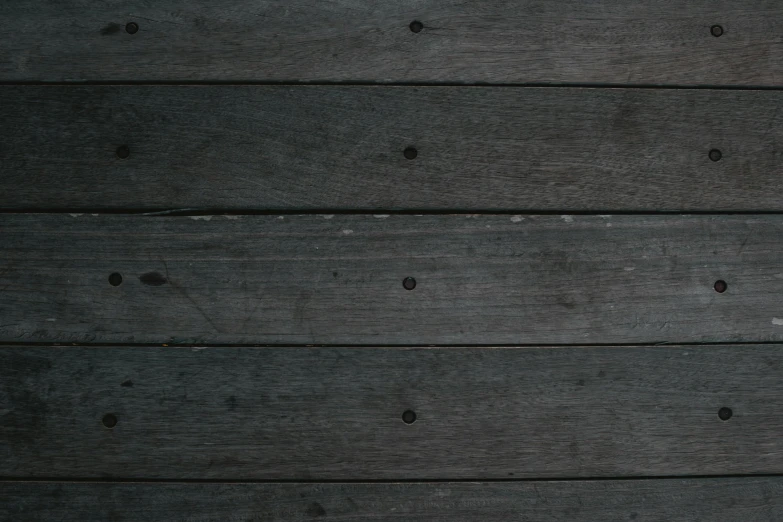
column 495, row 41
column 523, row 329
column 251, row 147
column 727, row 500
column 338, row 279
column 336, row 413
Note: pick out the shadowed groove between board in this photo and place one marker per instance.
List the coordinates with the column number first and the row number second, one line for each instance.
column 186, row 212
column 380, row 84
column 370, row 346
column 113, row 480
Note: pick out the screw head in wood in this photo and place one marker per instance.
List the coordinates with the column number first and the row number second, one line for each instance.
column 409, row 416
column 109, row 420
column 716, row 30
column 725, row 413
column 132, row 28
column 720, row 286
column 410, row 153
column 115, row 279
column 715, row 155
column 123, row 151
column 409, row 283
column 416, row 26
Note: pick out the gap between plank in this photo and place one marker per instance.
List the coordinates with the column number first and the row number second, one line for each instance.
column 672, row 344
column 186, row 212
column 289, row 83
column 382, row 481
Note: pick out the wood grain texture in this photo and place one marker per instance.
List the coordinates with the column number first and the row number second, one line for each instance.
column 338, row 279
column 727, row 500
column 496, row 41
column 336, row 413
column 261, row 148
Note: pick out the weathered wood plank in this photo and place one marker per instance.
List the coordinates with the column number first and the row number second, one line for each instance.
column 337, row 413
column 323, row 279
column 260, row 148
column 728, row 500
column 615, row 41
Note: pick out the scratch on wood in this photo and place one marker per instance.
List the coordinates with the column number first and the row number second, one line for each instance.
column 185, row 294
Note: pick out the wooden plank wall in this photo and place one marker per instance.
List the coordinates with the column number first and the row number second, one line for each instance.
column 341, row 279
column 637, row 42
column 432, row 260
column 336, row 413
column 296, row 148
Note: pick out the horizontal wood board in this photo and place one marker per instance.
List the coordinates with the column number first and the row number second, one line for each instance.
column 337, row 413
column 343, row 148
column 340, row 279
column 493, row 41
column 728, row 500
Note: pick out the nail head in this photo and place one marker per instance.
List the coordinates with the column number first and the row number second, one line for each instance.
column 716, row 30
column 409, row 416
column 115, row 279
column 416, row 26
column 410, row 153
column 123, row 151
column 720, row 286
column 715, row 155
column 109, row 420
column 132, row 28
column 409, row 283
column 725, row 414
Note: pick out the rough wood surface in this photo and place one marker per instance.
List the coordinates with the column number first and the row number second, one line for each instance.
column 251, row 147
column 338, row 279
column 727, row 500
column 337, row 413
column 496, row 41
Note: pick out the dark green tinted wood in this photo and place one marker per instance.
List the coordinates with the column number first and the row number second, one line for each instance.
column 335, row 413
column 340, row 279
column 494, row 41
column 727, row 500
column 261, row 148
